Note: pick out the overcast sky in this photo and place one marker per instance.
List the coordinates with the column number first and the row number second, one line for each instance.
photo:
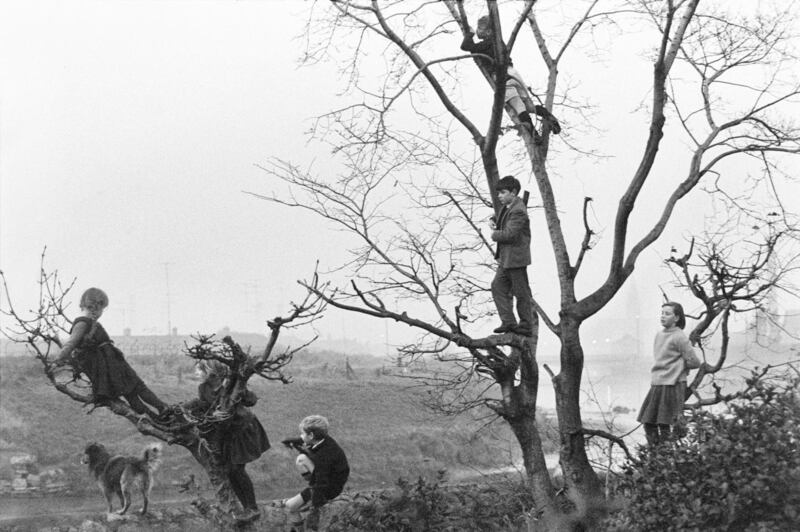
column 129, row 131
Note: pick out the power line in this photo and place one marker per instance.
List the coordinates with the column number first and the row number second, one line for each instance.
column 169, row 317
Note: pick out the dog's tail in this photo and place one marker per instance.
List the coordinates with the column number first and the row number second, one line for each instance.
column 151, row 457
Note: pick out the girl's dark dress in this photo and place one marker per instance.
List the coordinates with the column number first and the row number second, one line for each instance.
column 243, row 438
column 104, row 364
column 236, row 442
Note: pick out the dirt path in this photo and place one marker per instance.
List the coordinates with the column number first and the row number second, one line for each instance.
column 12, row 508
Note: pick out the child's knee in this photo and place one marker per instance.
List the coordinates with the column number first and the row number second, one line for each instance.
column 295, row 504
column 304, row 464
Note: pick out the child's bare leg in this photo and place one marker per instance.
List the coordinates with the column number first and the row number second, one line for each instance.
column 137, row 405
column 304, row 465
column 300, row 502
column 295, row 506
column 664, row 433
column 150, row 398
column 518, row 105
column 651, row 433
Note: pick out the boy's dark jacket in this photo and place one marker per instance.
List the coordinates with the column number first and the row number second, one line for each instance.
column 330, row 471
column 513, row 236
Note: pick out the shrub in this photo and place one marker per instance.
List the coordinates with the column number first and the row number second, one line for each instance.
column 734, row 471
column 433, row 505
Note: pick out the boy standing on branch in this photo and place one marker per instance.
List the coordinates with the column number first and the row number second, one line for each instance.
column 512, row 232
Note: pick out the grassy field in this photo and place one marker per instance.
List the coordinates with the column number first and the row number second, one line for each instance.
column 376, row 418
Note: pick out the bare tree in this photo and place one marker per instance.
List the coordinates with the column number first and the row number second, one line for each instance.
column 40, row 329
column 415, row 173
column 731, row 277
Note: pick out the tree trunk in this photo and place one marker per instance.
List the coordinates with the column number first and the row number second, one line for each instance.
column 539, row 483
column 520, row 413
column 218, row 476
column 583, row 486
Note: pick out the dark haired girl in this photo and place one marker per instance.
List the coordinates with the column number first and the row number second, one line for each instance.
column 674, row 357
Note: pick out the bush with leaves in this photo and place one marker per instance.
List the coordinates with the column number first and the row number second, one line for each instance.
column 739, row 470
column 435, row 506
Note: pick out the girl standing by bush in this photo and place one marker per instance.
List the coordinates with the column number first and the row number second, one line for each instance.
column 674, row 357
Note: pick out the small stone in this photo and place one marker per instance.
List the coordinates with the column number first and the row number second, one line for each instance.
column 92, row 526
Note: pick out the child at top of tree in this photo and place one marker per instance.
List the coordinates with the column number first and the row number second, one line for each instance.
column 674, row 357
column 516, row 92
column 512, row 232
column 90, row 350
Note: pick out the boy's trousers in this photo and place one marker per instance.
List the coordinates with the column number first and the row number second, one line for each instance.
column 512, row 283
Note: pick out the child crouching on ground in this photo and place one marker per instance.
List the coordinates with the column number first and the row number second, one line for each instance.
column 323, row 464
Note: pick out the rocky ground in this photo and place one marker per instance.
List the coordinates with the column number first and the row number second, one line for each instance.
column 197, row 516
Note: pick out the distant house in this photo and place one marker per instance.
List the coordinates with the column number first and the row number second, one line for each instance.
column 174, row 344
column 150, row 344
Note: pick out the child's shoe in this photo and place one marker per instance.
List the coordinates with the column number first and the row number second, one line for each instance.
column 248, row 515
column 548, row 117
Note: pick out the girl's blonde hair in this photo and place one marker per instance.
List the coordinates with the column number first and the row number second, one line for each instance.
column 213, row 368
column 315, row 425
column 94, row 298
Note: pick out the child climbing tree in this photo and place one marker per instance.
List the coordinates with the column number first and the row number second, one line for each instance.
column 41, row 331
column 417, row 142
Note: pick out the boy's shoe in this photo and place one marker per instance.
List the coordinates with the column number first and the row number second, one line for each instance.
column 524, row 330
column 504, row 328
column 548, row 117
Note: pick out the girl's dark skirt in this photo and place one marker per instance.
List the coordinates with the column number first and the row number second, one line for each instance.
column 663, row 404
column 245, row 439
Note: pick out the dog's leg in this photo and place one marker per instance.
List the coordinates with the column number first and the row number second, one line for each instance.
column 109, row 494
column 125, row 485
column 147, row 484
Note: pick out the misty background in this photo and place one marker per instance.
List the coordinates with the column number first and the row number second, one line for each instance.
column 130, row 133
